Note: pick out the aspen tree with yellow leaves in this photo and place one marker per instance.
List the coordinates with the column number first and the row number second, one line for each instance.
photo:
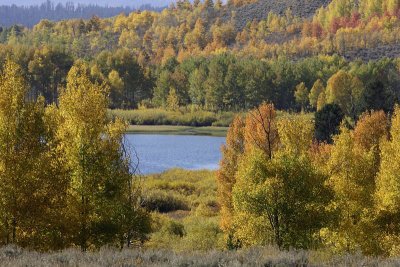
column 278, row 195
column 100, row 200
column 352, row 179
column 346, row 91
column 32, row 186
column 387, row 196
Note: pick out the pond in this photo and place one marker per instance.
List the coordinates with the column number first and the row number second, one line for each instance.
column 158, row 153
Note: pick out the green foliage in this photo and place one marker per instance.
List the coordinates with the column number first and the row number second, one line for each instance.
column 65, row 179
column 268, row 185
column 288, row 190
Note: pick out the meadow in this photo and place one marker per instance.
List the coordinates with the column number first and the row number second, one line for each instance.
column 184, row 210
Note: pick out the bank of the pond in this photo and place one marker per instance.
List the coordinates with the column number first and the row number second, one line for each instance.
column 178, row 130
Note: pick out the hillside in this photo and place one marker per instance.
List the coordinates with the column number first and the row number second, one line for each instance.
column 259, row 11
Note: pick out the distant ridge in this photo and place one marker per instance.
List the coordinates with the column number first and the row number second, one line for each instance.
column 114, row 3
column 31, row 15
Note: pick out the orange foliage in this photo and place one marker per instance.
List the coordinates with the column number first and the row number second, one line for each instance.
column 231, row 152
column 370, row 129
column 261, row 129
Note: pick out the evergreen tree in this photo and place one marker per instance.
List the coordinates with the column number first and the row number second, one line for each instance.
column 327, row 121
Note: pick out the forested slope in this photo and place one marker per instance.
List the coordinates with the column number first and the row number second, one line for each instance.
column 219, row 57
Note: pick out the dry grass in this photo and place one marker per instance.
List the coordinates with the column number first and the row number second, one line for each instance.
column 269, row 256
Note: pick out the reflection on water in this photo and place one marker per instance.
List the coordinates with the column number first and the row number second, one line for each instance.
column 158, row 153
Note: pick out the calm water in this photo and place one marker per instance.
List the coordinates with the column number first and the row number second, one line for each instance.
column 158, row 153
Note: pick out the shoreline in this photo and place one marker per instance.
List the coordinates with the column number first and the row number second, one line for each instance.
column 177, row 130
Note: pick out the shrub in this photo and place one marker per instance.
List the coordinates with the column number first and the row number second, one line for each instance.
column 174, row 228
column 160, row 201
column 202, row 234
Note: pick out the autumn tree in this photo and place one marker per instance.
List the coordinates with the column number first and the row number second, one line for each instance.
column 231, row 153
column 387, row 188
column 271, row 191
column 315, row 92
column 196, row 39
column 116, row 81
column 172, row 100
column 261, row 130
column 208, row 4
column 100, row 200
column 370, row 129
column 48, row 70
column 352, row 179
column 32, row 183
column 346, row 91
column 321, row 102
column 301, row 95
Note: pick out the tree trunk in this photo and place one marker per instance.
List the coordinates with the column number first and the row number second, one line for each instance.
column 14, row 230
column 83, row 226
column 278, row 238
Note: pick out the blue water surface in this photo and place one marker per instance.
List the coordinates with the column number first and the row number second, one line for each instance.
column 157, row 153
